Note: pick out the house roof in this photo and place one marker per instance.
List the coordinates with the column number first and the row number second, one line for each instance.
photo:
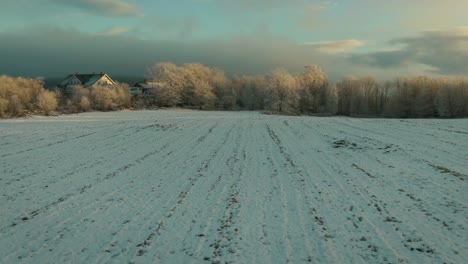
column 147, row 85
column 85, row 79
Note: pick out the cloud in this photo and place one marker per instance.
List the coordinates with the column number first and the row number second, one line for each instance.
column 444, row 51
column 167, row 27
column 259, row 4
column 335, row 47
column 314, row 15
column 262, row 6
column 55, row 52
column 116, row 31
column 112, row 8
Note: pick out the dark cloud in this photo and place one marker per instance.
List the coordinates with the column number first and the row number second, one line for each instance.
column 104, row 7
column 53, row 52
column 446, row 52
column 384, row 59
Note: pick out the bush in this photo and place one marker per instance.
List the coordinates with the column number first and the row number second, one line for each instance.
column 3, row 107
column 47, row 101
column 18, row 95
column 111, row 97
column 85, row 104
column 15, row 107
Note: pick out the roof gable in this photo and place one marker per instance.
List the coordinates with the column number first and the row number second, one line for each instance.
column 87, row 80
column 69, row 80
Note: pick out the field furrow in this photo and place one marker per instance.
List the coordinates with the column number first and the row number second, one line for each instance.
column 232, row 187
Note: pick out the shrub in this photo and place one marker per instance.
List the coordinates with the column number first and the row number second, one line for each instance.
column 111, row 97
column 85, row 104
column 3, row 107
column 47, row 101
column 21, row 94
column 15, row 107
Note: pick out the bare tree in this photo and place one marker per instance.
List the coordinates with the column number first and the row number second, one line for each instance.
column 345, row 93
column 331, row 106
column 452, row 98
column 370, row 91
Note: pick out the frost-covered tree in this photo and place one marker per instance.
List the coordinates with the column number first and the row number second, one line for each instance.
column 250, row 91
column 198, row 89
column 313, row 90
column 170, row 83
column 224, row 92
column 360, row 96
column 310, row 92
column 282, row 92
column 190, row 85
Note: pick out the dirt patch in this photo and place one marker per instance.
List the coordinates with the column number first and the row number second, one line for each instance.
column 344, row 143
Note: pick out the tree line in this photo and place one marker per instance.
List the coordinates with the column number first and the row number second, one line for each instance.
column 279, row 92
column 308, row 93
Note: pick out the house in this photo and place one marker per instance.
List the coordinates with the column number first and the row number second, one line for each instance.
column 144, row 88
column 85, row 80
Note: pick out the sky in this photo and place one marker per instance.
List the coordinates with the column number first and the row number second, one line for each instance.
column 385, row 39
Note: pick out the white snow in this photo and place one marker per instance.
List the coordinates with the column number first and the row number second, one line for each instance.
column 242, row 187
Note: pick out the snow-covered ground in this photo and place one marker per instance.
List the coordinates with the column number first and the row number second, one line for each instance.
column 187, row 187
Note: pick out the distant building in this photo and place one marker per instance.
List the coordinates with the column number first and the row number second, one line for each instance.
column 144, row 88
column 85, row 80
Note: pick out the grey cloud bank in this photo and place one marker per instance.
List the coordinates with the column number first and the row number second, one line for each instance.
column 53, row 52
column 446, row 51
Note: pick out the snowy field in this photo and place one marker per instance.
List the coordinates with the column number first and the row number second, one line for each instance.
column 232, row 187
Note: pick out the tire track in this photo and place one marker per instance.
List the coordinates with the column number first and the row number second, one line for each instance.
column 183, row 194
